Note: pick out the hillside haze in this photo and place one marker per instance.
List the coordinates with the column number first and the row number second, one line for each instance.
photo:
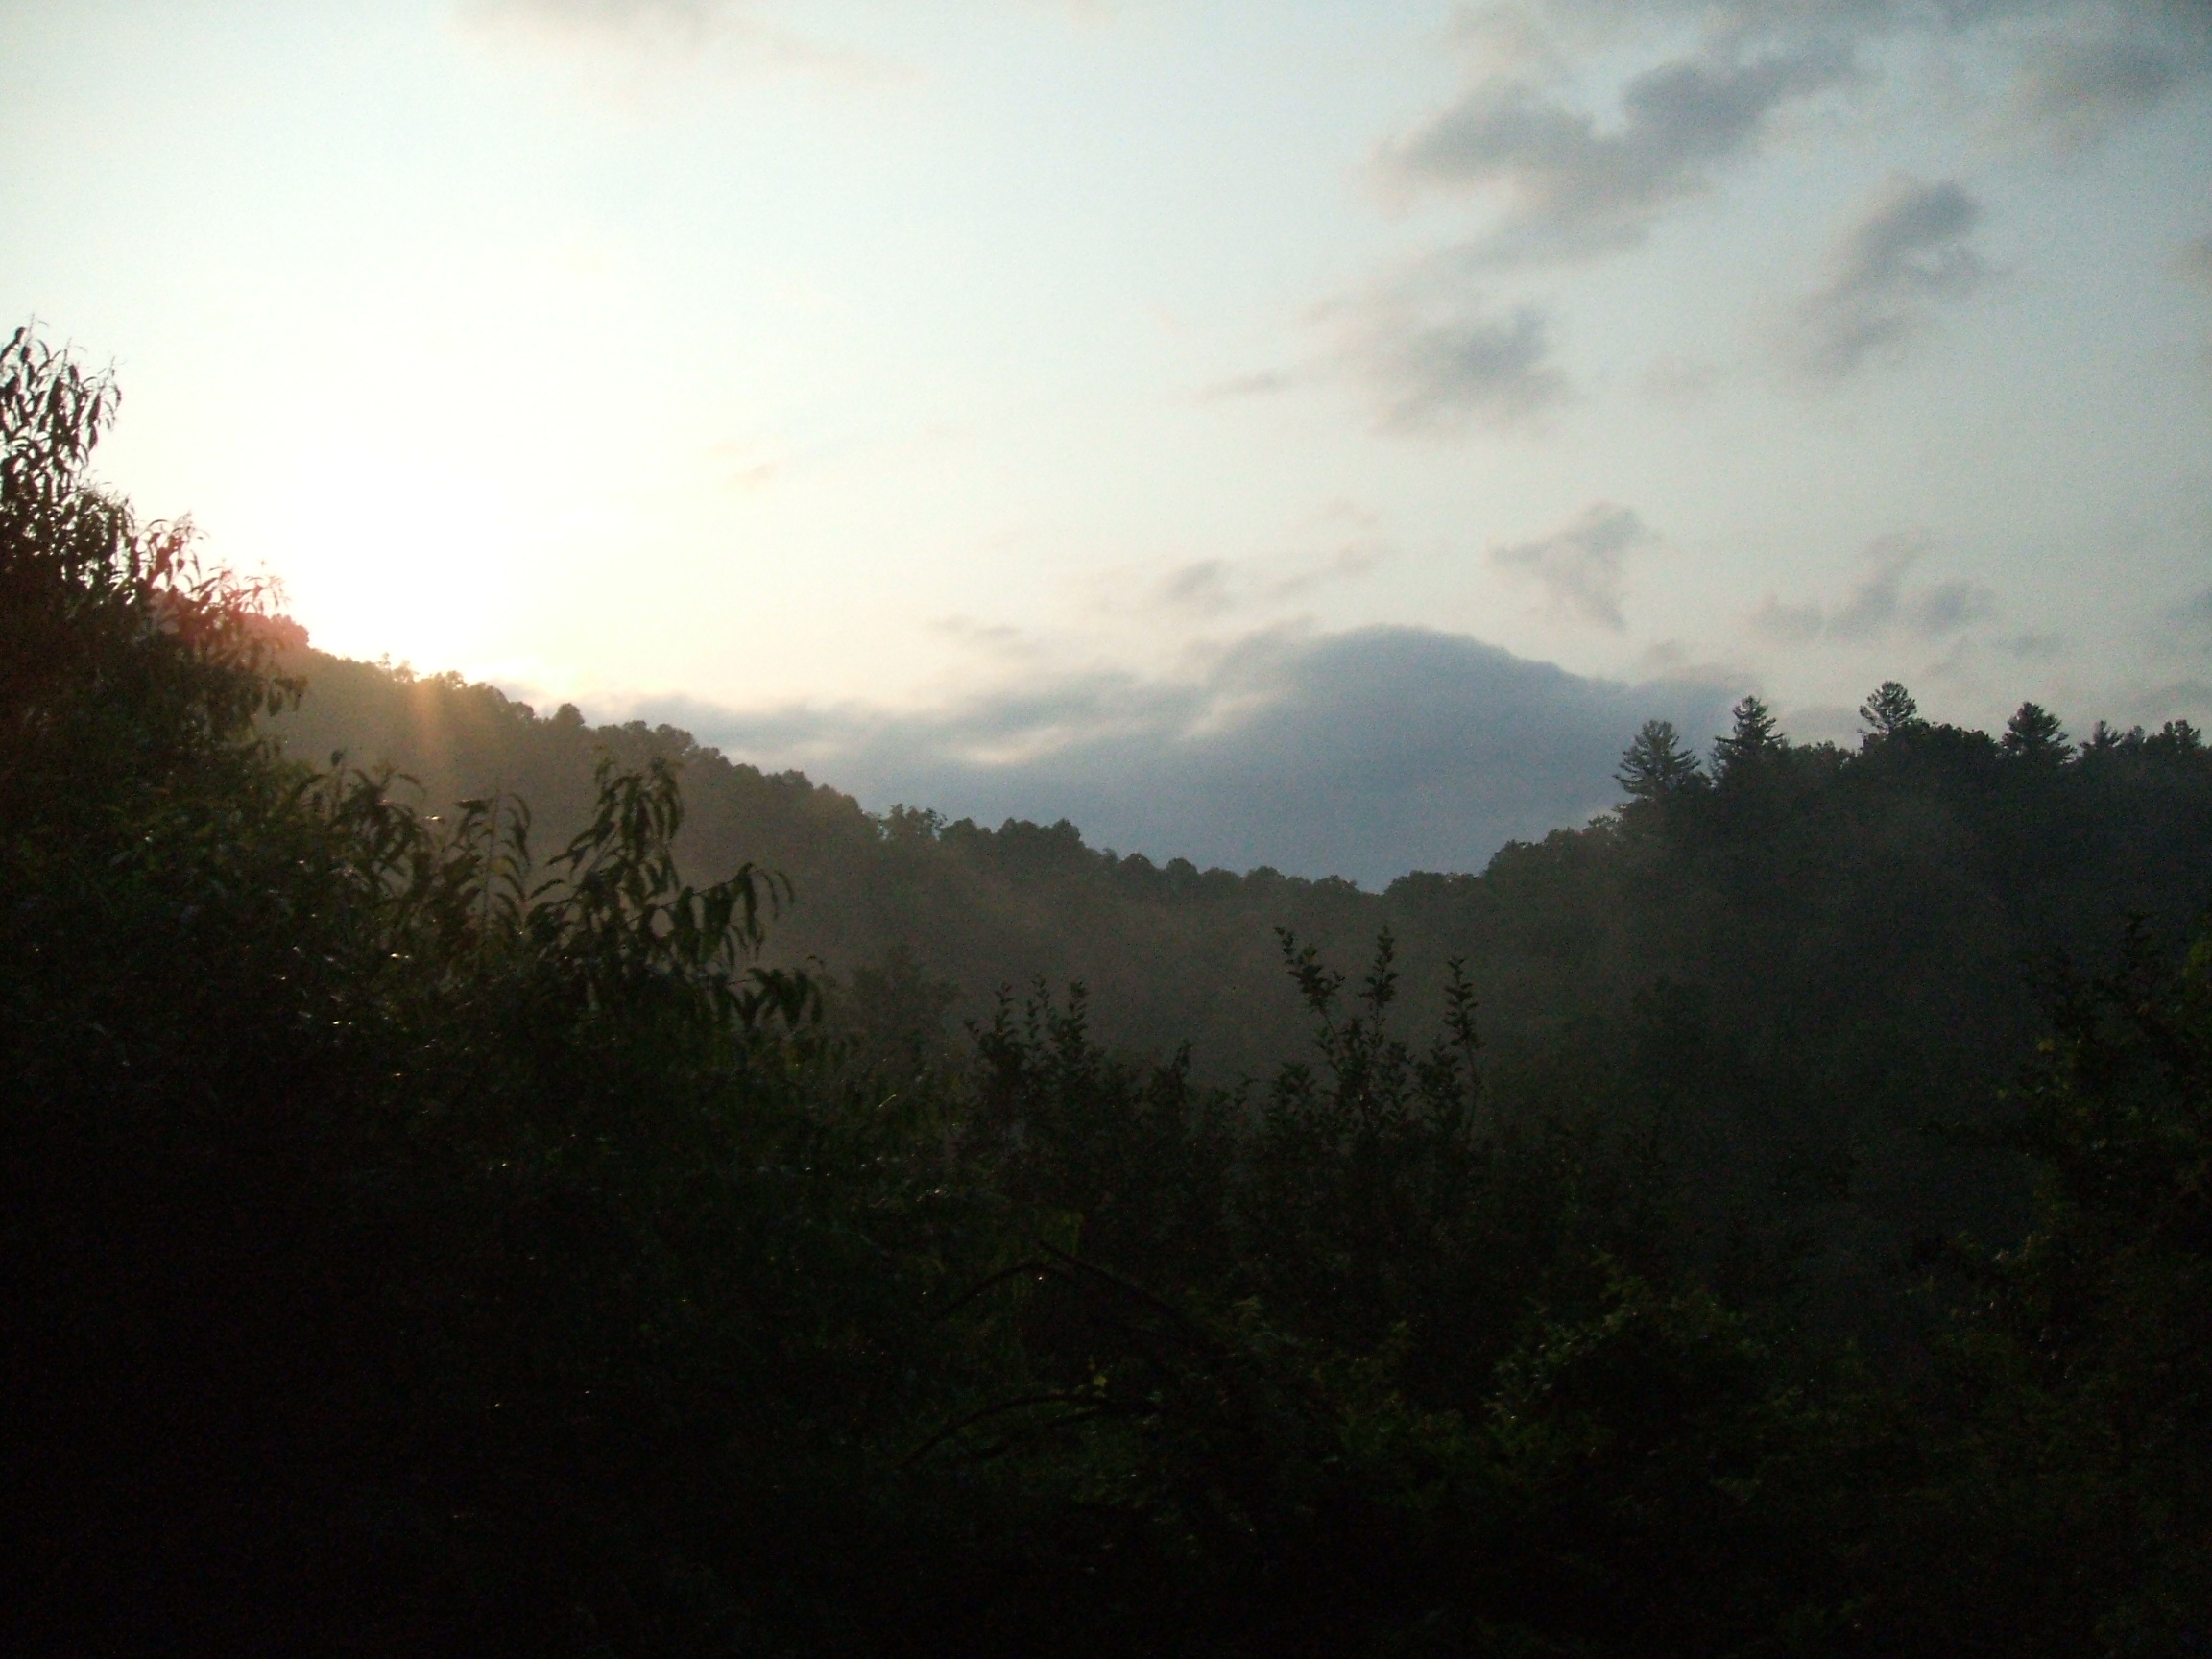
column 1809, row 955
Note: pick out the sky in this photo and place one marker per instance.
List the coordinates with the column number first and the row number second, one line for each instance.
column 1311, row 434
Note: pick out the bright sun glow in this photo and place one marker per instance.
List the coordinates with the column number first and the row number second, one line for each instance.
column 390, row 554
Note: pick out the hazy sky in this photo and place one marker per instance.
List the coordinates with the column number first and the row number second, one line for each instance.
column 997, row 396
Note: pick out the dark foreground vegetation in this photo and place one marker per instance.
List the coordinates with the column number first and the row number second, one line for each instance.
column 413, row 1246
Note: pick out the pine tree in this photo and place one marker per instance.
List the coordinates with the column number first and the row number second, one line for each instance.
column 2034, row 734
column 1656, row 767
column 1889, row 712
column 1752, row 740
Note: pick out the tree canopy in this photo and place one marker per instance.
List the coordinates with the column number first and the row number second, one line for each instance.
column 1692, row 1235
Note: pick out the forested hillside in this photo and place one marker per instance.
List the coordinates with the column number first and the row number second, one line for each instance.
column 1776, row 1218
column 1796, row 960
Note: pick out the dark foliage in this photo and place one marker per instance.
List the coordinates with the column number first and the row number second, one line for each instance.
column 408, row 1245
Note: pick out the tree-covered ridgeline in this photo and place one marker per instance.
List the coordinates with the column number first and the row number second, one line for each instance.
column 460, row 1232
column 1800, row 956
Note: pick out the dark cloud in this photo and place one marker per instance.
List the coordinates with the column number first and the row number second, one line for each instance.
column 1449, row 366
column 2078, row 64
column 1569, row 188
column 1571, row 184
column 2105, row 65
column 1580, row 564
column 1880, row 604
column 1436, row 356
column 2036, row 645
column 2083, row 86
column 1903, row 254
column 1947, row 606
column 1362, row 753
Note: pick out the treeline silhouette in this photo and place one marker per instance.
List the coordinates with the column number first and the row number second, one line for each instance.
column 430, row 1224
column 1792, row 961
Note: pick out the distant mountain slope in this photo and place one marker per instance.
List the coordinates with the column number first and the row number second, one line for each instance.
column 1794, row 968
column 977, row 907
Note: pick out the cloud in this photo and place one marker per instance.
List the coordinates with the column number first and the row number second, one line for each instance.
column 1902, row 255
column 1531, row 132
column 1353, row 559
column 1946, row 607
column 1201, row 586
column 1677, row 660
column 1362, row 754
column 2188, row 623
column 1436, row 356
column 1585, row 122
column 1340, row 543
column 1431, row 349
column 994, row 638
column 1579, row 566
column 1571, row 189
column 2104, row 66
column 1258, row 383
column 1879, row 605
column 1443, row 366
column 2069, row 65
column 2035, row 645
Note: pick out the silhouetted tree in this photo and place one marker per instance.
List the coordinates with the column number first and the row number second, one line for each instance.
column 1752, row 738
column 1889, row 712
column 1656, row 767
column 2035, row 733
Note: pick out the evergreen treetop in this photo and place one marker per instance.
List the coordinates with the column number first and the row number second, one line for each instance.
column 1752, row 740
column 1889, row 712
column 2035, row 733
column 1656, row 767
